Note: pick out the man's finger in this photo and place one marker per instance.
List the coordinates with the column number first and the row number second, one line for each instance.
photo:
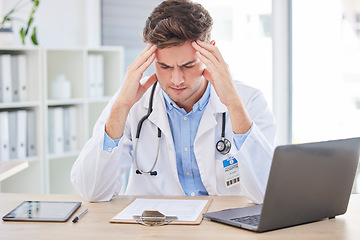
column 145, row 55
column 150, row 81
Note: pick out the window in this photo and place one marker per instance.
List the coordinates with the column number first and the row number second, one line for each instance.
column 242, row 31
column 326, row 72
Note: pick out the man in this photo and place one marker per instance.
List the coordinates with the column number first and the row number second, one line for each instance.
column 204, row 133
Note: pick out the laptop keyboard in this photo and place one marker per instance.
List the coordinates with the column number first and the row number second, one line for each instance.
column 250, row 220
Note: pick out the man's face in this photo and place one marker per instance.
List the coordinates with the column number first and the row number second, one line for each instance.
column 179, row 73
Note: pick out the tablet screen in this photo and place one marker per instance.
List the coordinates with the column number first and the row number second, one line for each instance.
column 48, row 211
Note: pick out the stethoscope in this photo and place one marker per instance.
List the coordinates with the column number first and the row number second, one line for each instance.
column 223, row 145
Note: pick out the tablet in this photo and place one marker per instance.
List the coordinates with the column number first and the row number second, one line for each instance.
column 42, row 211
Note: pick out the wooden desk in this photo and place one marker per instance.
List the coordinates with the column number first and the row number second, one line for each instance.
column 9, row 168
column 95, row 224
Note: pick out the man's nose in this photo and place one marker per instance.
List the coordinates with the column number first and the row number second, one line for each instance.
column 177, row 77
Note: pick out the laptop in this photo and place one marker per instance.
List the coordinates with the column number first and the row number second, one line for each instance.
column 307, row 182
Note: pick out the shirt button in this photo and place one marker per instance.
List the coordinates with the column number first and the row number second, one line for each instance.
column 185, row 149
column 192, row 194
column 109, row 149
column 185, row 118
column 188, row 173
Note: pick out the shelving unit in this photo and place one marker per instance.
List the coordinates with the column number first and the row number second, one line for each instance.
column 50, row 172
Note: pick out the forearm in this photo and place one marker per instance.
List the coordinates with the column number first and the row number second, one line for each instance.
column 239, row 117
column 114, row 126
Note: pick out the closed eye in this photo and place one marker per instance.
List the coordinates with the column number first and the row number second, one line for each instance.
column 188, row 66
column 164, row 67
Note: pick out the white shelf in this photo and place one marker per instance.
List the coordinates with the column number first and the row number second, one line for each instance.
column 59, row 102
column 72, row 154
column 30, row 104
column 50, row 172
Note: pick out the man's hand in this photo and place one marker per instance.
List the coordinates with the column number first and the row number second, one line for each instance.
column 131, row 91
column 218, row 74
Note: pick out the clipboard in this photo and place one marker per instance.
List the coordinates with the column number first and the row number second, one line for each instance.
column 126, row 215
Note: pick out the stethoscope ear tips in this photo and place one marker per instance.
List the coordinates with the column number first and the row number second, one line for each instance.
column 138, row 172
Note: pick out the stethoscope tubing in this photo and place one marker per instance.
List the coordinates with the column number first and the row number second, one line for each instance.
column 226, row 142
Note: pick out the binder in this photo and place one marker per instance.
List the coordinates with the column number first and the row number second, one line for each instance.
column 13, row 132
column 31, row 133
column 22, row 77
column 99, row 75
column 21, row 133
column 51, row 129
column 73, row 128
column 91, row 71
column 66, row 129
column 4, row 136
column 58, row 129
column 6, row 78
column 1, row 81
column 15, row 78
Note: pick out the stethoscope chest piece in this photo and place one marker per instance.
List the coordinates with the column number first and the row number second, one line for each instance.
column 223, row 146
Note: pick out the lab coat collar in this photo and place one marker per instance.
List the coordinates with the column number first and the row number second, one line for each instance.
column 215, row 103
column 159, row 115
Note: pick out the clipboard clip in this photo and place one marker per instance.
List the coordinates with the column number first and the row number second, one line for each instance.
column 154, row 218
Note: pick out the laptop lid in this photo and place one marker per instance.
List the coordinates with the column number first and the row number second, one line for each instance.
column 307, row 182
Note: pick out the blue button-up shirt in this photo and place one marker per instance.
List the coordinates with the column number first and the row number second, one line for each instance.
column 184, row 127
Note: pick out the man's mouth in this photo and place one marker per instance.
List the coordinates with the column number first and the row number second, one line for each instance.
column 178, row 90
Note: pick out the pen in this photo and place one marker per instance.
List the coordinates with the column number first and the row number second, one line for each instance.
column 80, row 215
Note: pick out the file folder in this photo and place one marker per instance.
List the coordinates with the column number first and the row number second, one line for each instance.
column 67, row 129
column 31, row 133
column 13, row 132
column 4, row 136
column 73, row 128
column 6, row 77
column 58, row 129
column 21, row 133
column 15, row 78
column 22, row 77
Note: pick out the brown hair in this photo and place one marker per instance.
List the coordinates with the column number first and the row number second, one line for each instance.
column 175, row 22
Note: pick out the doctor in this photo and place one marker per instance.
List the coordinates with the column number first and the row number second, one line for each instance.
column 188, row 129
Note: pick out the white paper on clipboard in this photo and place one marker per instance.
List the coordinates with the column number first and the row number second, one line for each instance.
column 185, row 210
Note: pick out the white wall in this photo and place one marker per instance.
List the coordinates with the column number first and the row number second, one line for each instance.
column 61, row 22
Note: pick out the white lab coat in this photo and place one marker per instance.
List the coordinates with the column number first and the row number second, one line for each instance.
column 97, row 174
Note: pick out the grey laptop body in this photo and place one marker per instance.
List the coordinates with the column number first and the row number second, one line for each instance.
column 307, row 182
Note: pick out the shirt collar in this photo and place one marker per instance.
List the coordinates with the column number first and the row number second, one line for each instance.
column 199, row 105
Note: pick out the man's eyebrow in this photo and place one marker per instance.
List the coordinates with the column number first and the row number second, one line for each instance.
column 187, row 63
column 162, row 64
column 182, row 65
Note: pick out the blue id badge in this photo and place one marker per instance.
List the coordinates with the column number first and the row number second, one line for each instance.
column 231, row 172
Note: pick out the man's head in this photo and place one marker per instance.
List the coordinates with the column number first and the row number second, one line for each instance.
column 175, row 22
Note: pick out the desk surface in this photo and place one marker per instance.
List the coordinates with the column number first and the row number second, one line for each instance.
column 95, row 224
